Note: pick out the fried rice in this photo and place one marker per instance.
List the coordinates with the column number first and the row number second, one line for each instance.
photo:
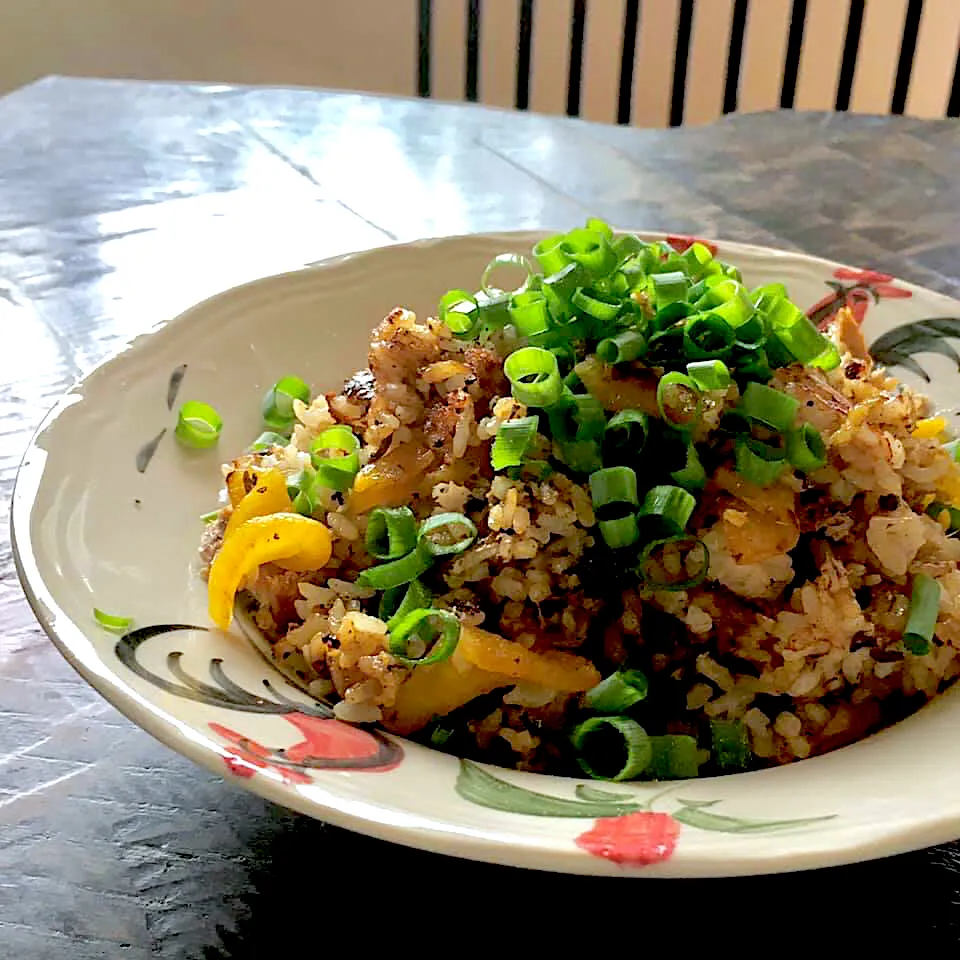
column 794, row 636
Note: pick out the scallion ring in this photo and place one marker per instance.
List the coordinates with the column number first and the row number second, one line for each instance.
column 395, row 573
column 460, row 311
column 806, row 449
column 596, row 306
column 623, row 347
column 534, row 376
column 391, row 532
column 198, row 425
column 667, row 508
column 731, row 744
column 551, row 254
column 443, row 621
column 758, row 462
column 617, row 692
column 267, row 441
column 776, row 409
column 512, row 441
column 399, row 602
column 592, row 249
column 612, row 748
column 922, row 617
column 111, row 622
column 277, row 405
column 691, row 476
column 669, row 288
column 679, row 400
column 625, row 436
column 446, row 534
column 497, row 264
column 335, row 453
column 709, row 374
column 707, row 336
column 675, row 757
column 529, row 313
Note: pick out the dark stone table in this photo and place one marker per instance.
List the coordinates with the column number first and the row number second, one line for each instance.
column 122, row 203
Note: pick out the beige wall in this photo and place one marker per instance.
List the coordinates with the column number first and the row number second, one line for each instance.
column 371, row 45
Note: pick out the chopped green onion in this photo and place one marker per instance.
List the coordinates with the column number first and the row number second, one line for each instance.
column 600, row 226
column 395, row 573
column 613, row 485
column 391, row 532
column 612, row 748
column 625, row 436
column 442, row 649
column 534, row 376
column 460, row 311
column 679, row 401
column 335, row 453
column 652, row 557
column 751, row 334
column 627, row 246
column 551, row 254
column 758, row 462
column 772, row 407
column 198, row 425
column 528, row 311
column 110, row 622
column 754, row 365
column 581, row 456
column 445, row 534
column 805, row 448
column 494, row 311
column 300, row 489
column 618, row 692
column 511, row 442
column 796, row 332
column 619, row 532
column 669, row 288
column 506, row 260
column 591, row 249
column 595, row 306
column 623, row 347
column 277, row 406
column 210, row 517
column 922, row 617
column 667, row 508
column 696, row 259
column 731, row 745
column 953, row 448
column 691, row 476
column 709, row 374
column 399, row 602
column 440, row 736
column 669, row 315
column 829, row 359
column 576, row 417
column 267, row 441
column 674, row 758
column 706, row 335
column 936, row 510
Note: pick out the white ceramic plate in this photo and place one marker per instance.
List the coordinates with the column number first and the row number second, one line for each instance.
column 95, row 524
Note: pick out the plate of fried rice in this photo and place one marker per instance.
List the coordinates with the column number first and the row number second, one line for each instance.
column 598, row 552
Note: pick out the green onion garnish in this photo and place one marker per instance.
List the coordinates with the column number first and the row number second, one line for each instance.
column 336, row 455
column 551, row 254
column 691, row 476
column 667, row 508
column 623, row 347
column 398, row 602
column 512, row 441
column 209, row 517
column 674, row 758
column 581, row 456
column 460, row 311
column 953, row 448
column 936, row 510
column 619, row 532
column 758, row 462
column 772, row 407
column 445, row 534
column 731, row 745
column 618, row 692
column 267, row 441
column 198, row 425
column 709, row 374
column 796, row 332
column 596, row 306
column 395, row 573
column 652, row 555
column 300, row 489
column 679, row 401
column 576, row 417
column 592, row 250
column 391, row 532
column 442, row 621
column 706, row 336
column 529, row 314
column 805, row 448
column 110, row 622
column 612, row 748
column 829, row 359
column 696, row 259
column 277, row 406
column 625, row 436
column 534, row 376
column 506, row 260
column 613, row 486
column 669, row 288
column 922, row 618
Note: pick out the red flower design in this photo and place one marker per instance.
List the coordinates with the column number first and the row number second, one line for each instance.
column 250, row 756
column 864, row 286
column 325, row 738
column 681, row 242
column 636, row 838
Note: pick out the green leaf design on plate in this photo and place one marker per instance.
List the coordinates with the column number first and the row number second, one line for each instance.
column 697, row 804
column 694, row 815
column 595, row 795
column 478, row 786
column 896, row 347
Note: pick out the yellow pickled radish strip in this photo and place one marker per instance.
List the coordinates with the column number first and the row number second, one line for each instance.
column 282, row 537
column 930, row 428
column 268, row 496
column 390, row 480
column 553, row 669
column 236, row 483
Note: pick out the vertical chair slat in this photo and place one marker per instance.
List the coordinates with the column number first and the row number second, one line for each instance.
column 764, row 50
column 448, row 41
column 823, row 38
column 654, row 62
column 934, row 60
column 709, row 52
column 499, row 45
column 879, row 55
column 550, row 55
column 602, row 48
